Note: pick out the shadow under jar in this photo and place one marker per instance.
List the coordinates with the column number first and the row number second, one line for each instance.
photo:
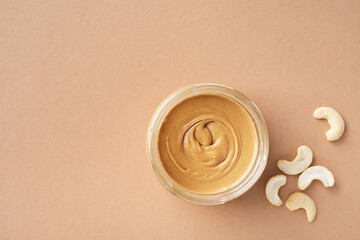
column 207, row 143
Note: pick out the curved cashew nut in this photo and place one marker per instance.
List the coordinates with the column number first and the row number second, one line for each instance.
column 301, row 200
column 317, row 172
column 272, row 189
column 337, row 124
column 300, row 163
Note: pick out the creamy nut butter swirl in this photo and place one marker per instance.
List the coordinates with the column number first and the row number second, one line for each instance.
column 210, row 145
column 207, row 143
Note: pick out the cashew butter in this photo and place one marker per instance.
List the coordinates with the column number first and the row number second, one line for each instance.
column 207, row 143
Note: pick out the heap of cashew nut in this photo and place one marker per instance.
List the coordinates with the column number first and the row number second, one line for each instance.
column 301, row 165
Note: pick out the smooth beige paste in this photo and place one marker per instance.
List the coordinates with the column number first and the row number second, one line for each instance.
column 207, row 143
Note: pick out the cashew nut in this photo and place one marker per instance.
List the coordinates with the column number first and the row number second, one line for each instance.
column 300, row 163
column 272, row 189
column 337, row 124
column 317, row 172
column 301, row 200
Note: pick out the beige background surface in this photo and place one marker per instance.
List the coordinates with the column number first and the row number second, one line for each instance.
column 79, row 81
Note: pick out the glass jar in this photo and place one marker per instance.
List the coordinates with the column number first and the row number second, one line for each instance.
column 259, row 161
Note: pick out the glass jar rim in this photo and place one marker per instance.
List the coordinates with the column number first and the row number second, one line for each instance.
column 260, row 159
